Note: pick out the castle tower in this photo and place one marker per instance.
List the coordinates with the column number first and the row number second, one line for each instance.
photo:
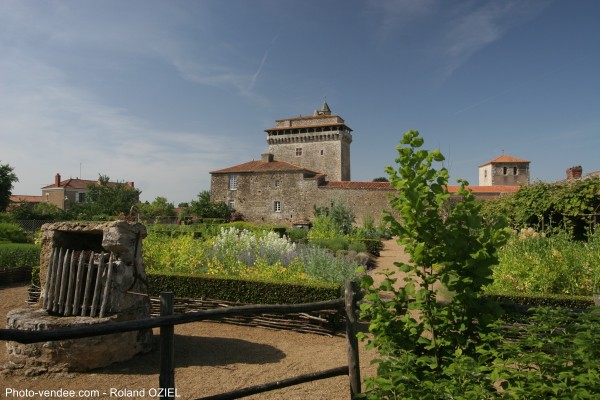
column 504, row 170
column 320, row 142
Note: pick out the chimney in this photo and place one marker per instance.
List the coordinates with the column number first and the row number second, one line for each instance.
column 57, row 180
column 267, row 157
column 574, row 173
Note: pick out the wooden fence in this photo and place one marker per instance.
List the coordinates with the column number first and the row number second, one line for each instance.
column 167, row 321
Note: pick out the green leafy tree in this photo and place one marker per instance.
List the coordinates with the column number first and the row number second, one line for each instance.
column 429, row 348
column 381, row 179
column 40, row 211
column 204, row 207
column 7, row 179
column 106, row 199
column 160, row 207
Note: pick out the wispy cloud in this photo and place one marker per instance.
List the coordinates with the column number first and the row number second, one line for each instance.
column 49, row 126
column 468, row 27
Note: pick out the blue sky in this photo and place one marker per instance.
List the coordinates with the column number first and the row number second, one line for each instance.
column 162, row 92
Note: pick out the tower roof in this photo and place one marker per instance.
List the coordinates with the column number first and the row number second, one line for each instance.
column 505, row 159
column 325, row 110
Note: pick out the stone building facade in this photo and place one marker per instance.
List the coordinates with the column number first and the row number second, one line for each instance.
column 504, row 170
column 307, row 166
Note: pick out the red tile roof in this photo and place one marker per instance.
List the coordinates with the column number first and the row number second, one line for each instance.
column 357, row 185
column 75, row 183
column 263, row 166
column 505, row 159
column 17, row 198
column 386, row 186
column 487, row 189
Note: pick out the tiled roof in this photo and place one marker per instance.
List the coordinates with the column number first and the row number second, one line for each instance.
column 356, row 185
column 487, row 189
column 17, row 198
column 75, row 183
column 263, row 166
column 505, row 159
column 386, row 186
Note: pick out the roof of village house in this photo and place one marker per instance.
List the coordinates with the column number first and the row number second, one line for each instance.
column 18, row 198
column 505, row 159
column 76, row 183
column 264, row 166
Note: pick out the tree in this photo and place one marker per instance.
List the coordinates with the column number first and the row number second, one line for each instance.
column 430, row 349
column 160, row 207
column 7, row 179
column 41, row 211
column 204, row 207
column 106, row 199
column 381, row 179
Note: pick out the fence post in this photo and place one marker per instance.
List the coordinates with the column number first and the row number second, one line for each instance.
column 353, row 360
column 166, row 380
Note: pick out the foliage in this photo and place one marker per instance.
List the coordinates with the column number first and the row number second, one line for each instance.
column 241, row 290
column 14, row 255
column 204, row 207
column 105, row 200
column 550, row 207
column 296, row 234
column 553, row 353
column 428, row 348
column 381, row 179
column 160, row 207
column 40, row 211
column 7, row 179
column 338, row 219
column 262, row 254
column 13, row 233
column 534, row 264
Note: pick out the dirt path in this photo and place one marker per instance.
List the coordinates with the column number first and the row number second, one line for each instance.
column 211, row 358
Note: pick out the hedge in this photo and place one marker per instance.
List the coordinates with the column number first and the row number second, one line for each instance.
column 14, row 255
column 237, row 290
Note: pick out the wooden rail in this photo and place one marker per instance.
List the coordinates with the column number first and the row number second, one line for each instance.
column 167, row 321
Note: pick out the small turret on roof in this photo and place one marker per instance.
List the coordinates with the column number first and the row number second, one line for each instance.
column 325, row 110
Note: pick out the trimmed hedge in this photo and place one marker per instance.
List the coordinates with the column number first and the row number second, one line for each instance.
column 14, row 255
column 520, row 300
column 237, row 290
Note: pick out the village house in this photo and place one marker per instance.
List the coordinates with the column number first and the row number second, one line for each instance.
column 65, row 193
column 307, row 165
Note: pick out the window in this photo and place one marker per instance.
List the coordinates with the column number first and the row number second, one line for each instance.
column 485, row 173
column 232, row 182
column 231, row 203
column 504, row 171
column 515, row 171
column 277, row 183
column 322, row 152
column 277, row 206
column 80, row 197
column 298, row 151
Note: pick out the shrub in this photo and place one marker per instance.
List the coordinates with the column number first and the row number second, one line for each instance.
column 534, row 264
column 16, row 255
column 234, row 253
column 12, row 233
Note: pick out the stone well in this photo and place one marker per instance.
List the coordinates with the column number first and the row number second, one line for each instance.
column 90, row 273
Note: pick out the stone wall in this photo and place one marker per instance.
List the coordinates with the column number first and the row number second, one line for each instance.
column 298, row 196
